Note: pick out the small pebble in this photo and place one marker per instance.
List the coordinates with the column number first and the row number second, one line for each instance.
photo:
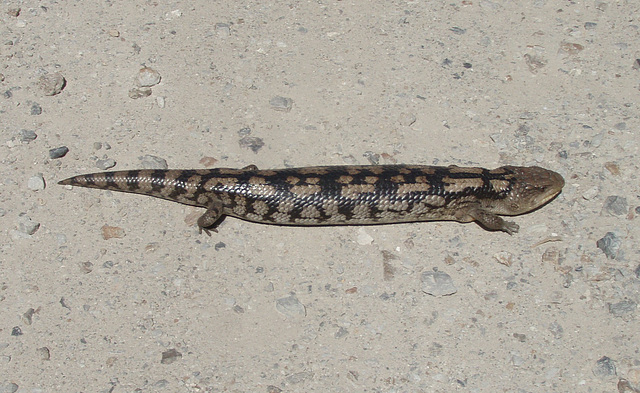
column 300, row 377
column 58, row 152
column 52, row 84
column 26, row 225
column 251, row 142
column 291, row 307
column 590, row 193
column 534, row 62
column 517, row 360
column 16, row 331
column 590, row 25
column 407, row 119
column 106, row 163
column 373, row 158
column 8, row 387
column 208, row 162
column 160, row 101
column 142, row 92
column 109, row 232
column 342, row 331
column 620, row 126
column 615, row 205
column 613, row 168
column 504, row 257
column 437, row 284
column 637, row 271
column 148, row 77
column 363, row 238
column 153, row 162
column 15, row 12
column 605, row 367
column 223, row 29
column 570, row 49
column 170, row 356
column 36, row 109
column 610, row 244
column 114, row 33
column 623, row 308
column 36, row 182
column 244, row 131
column 44, row 353
column 27, row 317
column 27, row 136
column 282, row 104
column 520, row 337
column 556, row 330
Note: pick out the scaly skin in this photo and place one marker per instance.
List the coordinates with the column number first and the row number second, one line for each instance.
column 344, row 195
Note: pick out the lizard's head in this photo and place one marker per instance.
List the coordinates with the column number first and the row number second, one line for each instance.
column 531, row 188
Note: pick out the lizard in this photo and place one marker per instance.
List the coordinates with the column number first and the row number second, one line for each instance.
column 344, row 195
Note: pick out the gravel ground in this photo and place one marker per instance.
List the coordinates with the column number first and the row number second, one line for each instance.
column 109, row 292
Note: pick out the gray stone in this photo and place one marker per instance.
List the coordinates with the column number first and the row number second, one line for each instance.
column 610, row 244
column 436, row 283
column 291, row 307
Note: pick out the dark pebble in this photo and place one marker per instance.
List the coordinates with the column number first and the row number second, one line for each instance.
column 244, row 131
column 605, row 367
column 610, row 244
column 637, row 271
column 170, row 356
column 458, row 30
column 373, row 158
column 282, row 104
column 36, row 109
column 622, row 308
column 27, row 136
column 615, row 205
column 219, row 246
column 590, row 25
column 58, row 152
column 252, row 142
column 16, row 331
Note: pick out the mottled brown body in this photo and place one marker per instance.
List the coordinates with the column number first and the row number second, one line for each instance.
column 344, row 195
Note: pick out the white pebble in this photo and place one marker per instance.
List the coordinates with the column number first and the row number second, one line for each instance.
column 36, row 182
column 148, row 77
column 363, row 237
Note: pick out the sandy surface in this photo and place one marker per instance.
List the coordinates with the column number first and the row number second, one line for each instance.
column 260, row 308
